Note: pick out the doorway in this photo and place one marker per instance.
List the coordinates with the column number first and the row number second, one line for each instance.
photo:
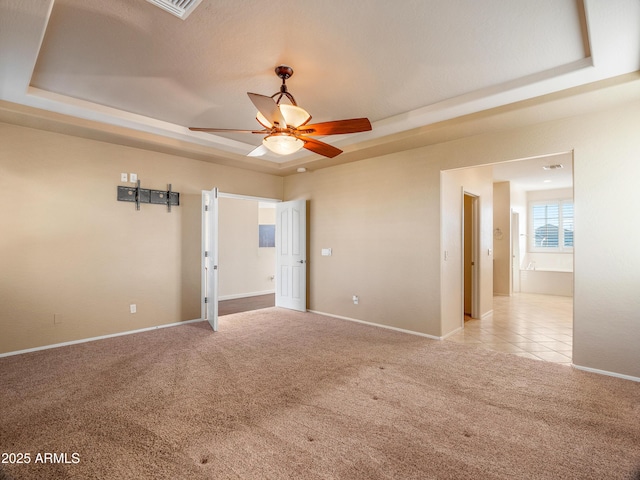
column 238, row 234
column 470, row 240
column 288, row 265
column 246, row 255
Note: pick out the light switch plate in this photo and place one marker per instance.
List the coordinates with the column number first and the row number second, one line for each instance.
column 326, row 252
column 133, row 177
column 124, row 177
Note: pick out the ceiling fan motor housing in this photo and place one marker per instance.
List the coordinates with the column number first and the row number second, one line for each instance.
column 284, row 72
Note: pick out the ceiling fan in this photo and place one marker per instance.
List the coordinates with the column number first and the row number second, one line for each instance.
column 287, row 127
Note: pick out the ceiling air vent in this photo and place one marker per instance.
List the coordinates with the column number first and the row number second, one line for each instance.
column 180, row 8
column 552, row 167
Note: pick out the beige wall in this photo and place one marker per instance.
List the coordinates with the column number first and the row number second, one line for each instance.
column 383, row 219
column 365, row 211
column 68, row 248
column 477, row 182
column 518, row 198
column 502, row 239
column 244, row 268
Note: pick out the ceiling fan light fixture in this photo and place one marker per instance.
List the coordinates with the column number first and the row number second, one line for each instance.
column 293, row 115
column 263, row 121
column 282, row 143
column 287, row 127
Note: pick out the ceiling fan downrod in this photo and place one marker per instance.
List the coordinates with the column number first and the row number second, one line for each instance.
column 284, row 72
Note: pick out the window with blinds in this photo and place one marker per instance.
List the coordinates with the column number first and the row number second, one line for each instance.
column 551, row 226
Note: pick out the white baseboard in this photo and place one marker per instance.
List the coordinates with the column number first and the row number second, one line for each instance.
column 93, row 339
column 605, row 372
column 486, row 314
column 244, row 295
column 411, row 332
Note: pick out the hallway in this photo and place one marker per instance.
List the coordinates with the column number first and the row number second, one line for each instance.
column 529, row 325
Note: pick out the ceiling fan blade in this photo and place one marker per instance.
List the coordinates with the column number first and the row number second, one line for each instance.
column 226, row 130
column 322, row 148
column 353, row 125
column 259, row 151
column 269, row 108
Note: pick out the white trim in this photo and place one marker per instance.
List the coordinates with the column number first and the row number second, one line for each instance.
column 411, row 332
column 486, row 314
column 605, row 372
column 245, row 295
column 92, row 339
column 248, row 197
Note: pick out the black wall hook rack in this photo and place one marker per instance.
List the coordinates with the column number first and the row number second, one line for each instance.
column 139, row 195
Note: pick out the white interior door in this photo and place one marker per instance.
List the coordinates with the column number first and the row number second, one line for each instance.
column 291, row 255
column 210, row 257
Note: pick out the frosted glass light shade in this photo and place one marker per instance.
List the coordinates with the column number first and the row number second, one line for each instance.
column 263, row 121
column 294, row 116
column 282, row 143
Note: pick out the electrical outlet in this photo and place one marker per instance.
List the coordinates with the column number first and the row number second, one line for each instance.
column 355, row 300
column 133, row 308
column 124, row 177
column 133, row 177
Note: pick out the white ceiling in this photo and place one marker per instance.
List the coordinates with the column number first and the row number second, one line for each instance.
column 125, row 68
column 530, row 174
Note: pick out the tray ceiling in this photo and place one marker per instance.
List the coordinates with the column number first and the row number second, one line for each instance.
column 404, row 65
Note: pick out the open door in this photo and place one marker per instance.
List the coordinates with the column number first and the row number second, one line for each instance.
column 291, row 255
column 210, row 257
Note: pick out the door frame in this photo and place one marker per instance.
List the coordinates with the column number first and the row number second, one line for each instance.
column 206, row 227
column 475, row 253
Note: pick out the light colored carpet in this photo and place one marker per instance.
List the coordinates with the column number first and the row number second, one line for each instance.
column 277, row 394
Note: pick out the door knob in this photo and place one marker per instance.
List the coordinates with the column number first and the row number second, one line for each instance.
column 300, row 261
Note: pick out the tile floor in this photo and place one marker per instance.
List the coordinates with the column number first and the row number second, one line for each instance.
column 528, row 325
